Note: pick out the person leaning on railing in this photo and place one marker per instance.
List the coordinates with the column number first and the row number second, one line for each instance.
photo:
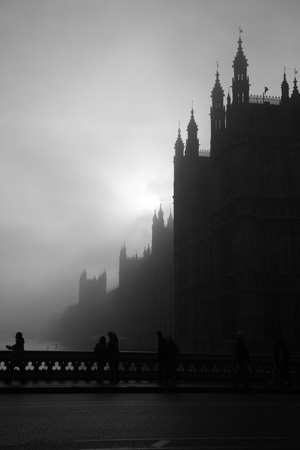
column 17, row 359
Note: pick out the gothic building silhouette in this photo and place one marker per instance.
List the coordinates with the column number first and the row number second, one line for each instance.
column 143, row 302
column 146, row 288
column 236, row 220
column 230, row 259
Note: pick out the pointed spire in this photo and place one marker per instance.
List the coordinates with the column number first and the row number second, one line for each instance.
column 240, row 58
column 240, row 81
column 160, row 214
column 179, row 145
column 170, row 221
column 192, row 143
column 295, row 94
column 217, row 92
column 284, row 88
column 228, row 97
column 217, row 111
column 123, row 253
column 192, row 126
column 217, row 74
column 83, row 276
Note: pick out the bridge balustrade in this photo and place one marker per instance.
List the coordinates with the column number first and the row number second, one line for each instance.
column 137, row 366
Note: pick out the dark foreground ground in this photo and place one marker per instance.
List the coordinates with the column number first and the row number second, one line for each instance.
column 72, row 386
column 146, row 416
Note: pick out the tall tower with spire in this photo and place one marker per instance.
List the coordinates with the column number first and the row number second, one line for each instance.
column 162, row 235
column 217, row 114
column 189, row 192
column 192, row 143
column 284, row 90
column 145, row 292
column 295, row 97
column 240, row 80
column 179, row 145
column 236, row 220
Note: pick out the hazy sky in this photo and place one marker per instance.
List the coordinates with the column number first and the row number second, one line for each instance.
column 91, row 94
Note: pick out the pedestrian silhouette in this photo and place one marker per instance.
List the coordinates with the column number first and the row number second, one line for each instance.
column 100, row 352
column 172, row 352
column 162, row 358
column 242, row 359
column 284, row 364
column 275, row 370
column 17, row 358
column 113, row 356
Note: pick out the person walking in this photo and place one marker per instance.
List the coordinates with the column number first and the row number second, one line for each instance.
column 275, row 371
column 17, row 359
column 284, row 364
column 172, row 353
column 113, row 356
column 162, row 358
column 242, row 358
column 100, row 352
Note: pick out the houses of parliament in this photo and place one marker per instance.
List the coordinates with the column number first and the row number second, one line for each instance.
column 230, row 259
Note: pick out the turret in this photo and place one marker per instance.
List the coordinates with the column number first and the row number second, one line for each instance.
column 228, row 98
column 123, row 254
column 147, row 251
column 217, row 110
column 122, row 265
column 161, row 216
column 170, row 222
column 158, row 231
column 240, row 81
column 295, row 97
column 179, row 145
column 83, row 276
column 192, row 142
column 284, row 90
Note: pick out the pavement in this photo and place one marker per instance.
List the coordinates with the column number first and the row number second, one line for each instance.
column 91, row 386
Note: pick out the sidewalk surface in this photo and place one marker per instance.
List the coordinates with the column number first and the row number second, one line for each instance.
column 81, row 386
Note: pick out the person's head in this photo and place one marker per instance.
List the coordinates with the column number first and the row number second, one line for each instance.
column 19, row 335
column 159, row 334
column 112, row 336
column 240, row 336
column 102, row 340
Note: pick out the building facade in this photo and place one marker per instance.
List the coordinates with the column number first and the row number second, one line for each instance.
column 237, row 221
column 146, row 289
column 141, row 305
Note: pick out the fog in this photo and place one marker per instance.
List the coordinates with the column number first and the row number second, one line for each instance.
column 92, row 92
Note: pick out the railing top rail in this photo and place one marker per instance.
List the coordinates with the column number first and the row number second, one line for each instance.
column 134, row 355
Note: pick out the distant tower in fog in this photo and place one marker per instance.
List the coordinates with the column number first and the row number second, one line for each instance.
column 92, row 290
column 162, row 235
column 146, row 288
